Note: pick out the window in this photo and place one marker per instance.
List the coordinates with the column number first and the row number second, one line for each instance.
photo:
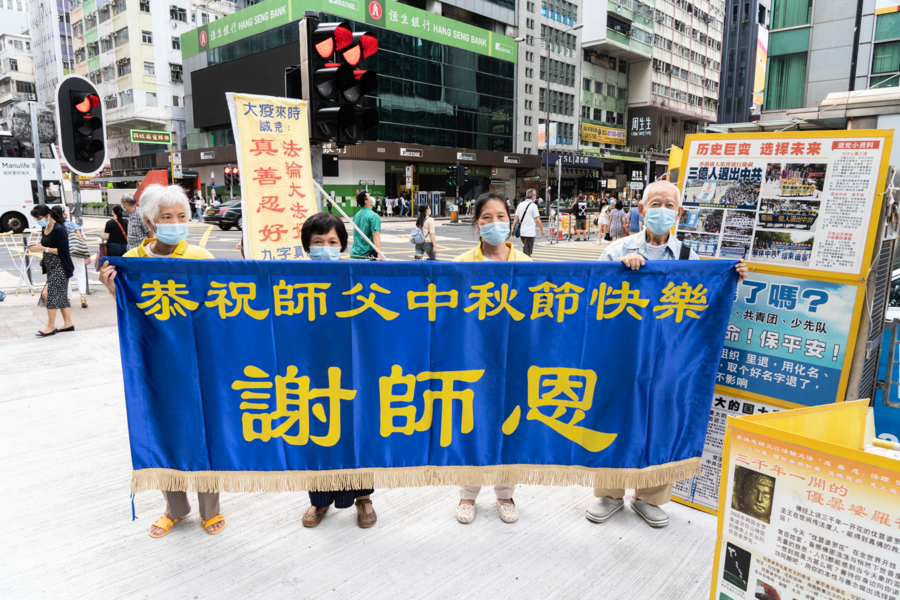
column 204, row 18
column 585, row 112
column 790, row 13
column 110, row 102
column 529, row 56
column 147, row 37
column 121, row 37
column 178, row 14
column 586, row 85
column 787, row 81
column 126, row 98
column 528, row 120
column 611, row 91
column 109, row 73
column 175, row 101
column 529, row 6
column 177, row 73
column 149, row 68
column 145, row 6
column 106, row 44
column 598, row 114
column 610, row 116
column 124, row 69
column 529, row 105
column 151, row 99
column 886, row 58
column 529, row 72
column 623, row 94
column 887, row 27
column 529, row 89
column 13, row 64
column 527, row 136
column 598, row 87
column 176, row 42
column 529, row 23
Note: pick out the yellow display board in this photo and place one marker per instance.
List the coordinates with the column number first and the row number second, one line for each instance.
column 277, row 194
column 802, row 209
column 805, row 512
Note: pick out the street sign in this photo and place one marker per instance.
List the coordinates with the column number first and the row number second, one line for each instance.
column 145, row 136
column 465, row 156
column 366, row 182
column 409, row 182
column 177, row 173
column 636, row 185
column 176, row 158
column 637, row 175
column 409, row 170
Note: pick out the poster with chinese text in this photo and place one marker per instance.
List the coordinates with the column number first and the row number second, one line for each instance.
column 272, row 140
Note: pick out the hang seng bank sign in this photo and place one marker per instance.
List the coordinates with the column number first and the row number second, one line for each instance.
column 386, row 14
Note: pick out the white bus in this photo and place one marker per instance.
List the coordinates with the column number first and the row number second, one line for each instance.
column 18, row 183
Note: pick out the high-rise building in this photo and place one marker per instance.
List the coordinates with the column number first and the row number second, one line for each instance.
column 672, row 52
column 16, row 74
column 744, row 51
column 51, row 43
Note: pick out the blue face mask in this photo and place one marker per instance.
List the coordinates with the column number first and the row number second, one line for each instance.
column 171, row 234
column 495, row 233
column 660, row 220
column 43, row 222
column 324, row 252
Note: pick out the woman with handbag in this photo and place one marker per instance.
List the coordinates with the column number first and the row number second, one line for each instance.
column 57, row 265
column 425, row 224
column 617, row 224
column 604, row 221
column 114, row 234
column 78, row 250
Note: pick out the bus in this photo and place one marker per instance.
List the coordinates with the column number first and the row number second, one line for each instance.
column 18, row 182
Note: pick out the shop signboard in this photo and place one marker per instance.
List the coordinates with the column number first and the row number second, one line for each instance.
column 603, row 135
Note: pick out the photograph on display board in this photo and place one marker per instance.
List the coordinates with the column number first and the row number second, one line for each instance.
column 783, row 213
column 701, row 220
column 722, row 193
column 737, row 566
column 752, row 494
column 792, row 249
column 764, row 591
column 731, row 249
column 703, row 244
column 794, row 180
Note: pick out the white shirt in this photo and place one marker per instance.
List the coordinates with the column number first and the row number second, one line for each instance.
column 654, row 252
column 527, row 228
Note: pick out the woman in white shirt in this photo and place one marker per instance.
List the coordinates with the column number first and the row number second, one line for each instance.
column 604, row 221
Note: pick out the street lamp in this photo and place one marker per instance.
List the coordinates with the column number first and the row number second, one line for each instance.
column 547, row 104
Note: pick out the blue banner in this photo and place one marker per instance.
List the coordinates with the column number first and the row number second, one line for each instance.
column 313, row 375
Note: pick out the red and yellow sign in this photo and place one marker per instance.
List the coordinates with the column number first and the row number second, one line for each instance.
column 603, row 135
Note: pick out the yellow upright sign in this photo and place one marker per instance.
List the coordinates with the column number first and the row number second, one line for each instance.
column 272, row 140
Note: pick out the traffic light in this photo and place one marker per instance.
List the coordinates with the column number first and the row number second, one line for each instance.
column 328, row 79
column 235, row 176
column 227, row 171
column 81, row 130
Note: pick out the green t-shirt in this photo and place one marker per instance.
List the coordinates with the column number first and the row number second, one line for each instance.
column 367, row 221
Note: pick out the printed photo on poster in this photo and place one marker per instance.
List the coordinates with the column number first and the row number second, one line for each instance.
column 787, row 338
column 718, row 193
column 765, row 591
column 737, row 566
column 777, row 213
column 791, row 249
column 702, row 220
column 794, row 180
column 701, row 243
column 752, row 494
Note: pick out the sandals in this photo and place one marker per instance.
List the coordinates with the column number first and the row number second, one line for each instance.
column 218, row 518
column 165, row 523
column 363, row 518
column 311, row 520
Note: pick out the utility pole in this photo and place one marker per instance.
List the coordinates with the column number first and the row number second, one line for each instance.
column 36, row 142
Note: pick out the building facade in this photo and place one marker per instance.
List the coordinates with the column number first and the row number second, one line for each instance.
column 51, row 43
column 446, row 94
column 16, row 74
column 744, row 55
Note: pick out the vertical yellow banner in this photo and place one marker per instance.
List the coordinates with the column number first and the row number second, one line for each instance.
column 272, row 141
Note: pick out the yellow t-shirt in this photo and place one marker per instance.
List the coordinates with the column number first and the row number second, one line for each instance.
column 475, row 254
column 182, row 250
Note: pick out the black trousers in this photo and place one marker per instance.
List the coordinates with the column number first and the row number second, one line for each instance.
column 527, row 245
column 340, row 498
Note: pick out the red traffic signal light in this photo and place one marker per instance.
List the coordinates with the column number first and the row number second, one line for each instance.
column 228, row 170
column 81, row 131
column 328, row 38
column 364, row 45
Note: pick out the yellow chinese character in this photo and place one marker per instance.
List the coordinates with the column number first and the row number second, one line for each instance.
column 562, row 396
column 292, row 397
column 682, row 300
column 621, row 299
column 482, row 295
column 431, row 302
column 165, row 299
column 387, row 315
column 307, row 295
column 446, row 394
column 242, row 299
column 546, row 293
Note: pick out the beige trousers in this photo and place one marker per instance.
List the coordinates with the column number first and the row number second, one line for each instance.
column 177, row 505
column 655, row 495
column 470, row 492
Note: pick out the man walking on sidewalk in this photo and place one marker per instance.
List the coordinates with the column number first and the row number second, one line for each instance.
column 527, row 216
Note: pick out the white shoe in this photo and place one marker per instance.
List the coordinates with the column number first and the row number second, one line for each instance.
column 509, row 513
column 465, row 513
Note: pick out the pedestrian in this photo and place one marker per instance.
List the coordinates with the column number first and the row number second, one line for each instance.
column 425, row 224
column 328, row 206
column 661, row 207
column 617, row 225
column 369, row 223
column 114, row 233
column 324, row 237
column 56, row 264
column 137, row 229
column 579, row 211
column 166, row 211
column 78, row 251
column 635, row 220
column 491, row 219
column 604, row 221
column 200, row 205
column 527, row 216
column 193, row 202
column 389, row 207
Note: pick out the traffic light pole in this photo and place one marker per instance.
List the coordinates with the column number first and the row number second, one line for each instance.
column 315, row 152
column 36, row 142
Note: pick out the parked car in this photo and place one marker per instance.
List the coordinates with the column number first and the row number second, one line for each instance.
column 225, row 215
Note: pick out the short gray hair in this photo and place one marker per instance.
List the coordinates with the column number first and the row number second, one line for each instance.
column 129, row 200
column 530, row 193
column 156, row 196
column 660, row 184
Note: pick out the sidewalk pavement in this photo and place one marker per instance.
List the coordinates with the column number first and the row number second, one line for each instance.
column 69, row 532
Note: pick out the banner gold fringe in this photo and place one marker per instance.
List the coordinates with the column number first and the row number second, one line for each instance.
column 298, row 481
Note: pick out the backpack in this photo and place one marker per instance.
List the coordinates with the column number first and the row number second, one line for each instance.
column 416, row 237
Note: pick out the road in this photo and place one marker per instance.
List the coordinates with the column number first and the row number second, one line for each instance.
column 452, row 240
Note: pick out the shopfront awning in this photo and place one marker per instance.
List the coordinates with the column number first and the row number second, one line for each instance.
column 628, row 158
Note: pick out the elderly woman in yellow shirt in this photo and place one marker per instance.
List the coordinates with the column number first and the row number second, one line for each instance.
column 166, row 211
column 491, row 219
